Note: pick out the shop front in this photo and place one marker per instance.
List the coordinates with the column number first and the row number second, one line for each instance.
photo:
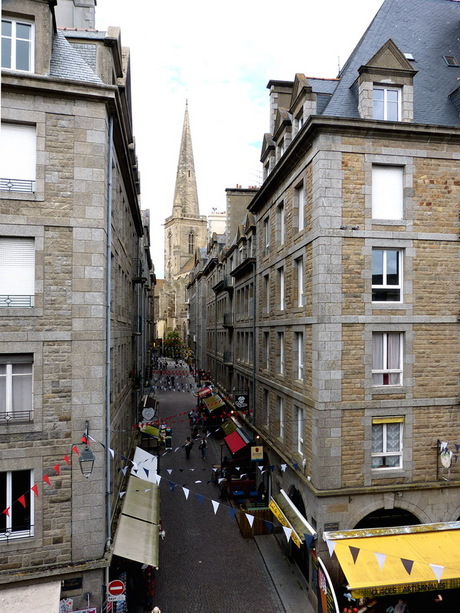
column 419, row 565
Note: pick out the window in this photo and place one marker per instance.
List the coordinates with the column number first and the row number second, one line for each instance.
column 387, row 103
column 266, row 350
column 451, row 60
column 387, row 442
column 281, row 417
column 299, row 352
column 266, row 404
column 18, row 157
column 298, row 263
column 267, row 293
column 17, row 272
column 15, row 386
column 17, row 45
column 281, row 356
column 191, row 243
column 386, row 275
column 267, row 235
column 281, row 287
column 298, row 121
column 387, row 358
column 299, row 422
column 15, row 487
column 299, row 203
column 387, row 192
column 281, row 217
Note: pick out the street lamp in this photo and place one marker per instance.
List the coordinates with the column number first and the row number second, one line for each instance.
column 86, row 458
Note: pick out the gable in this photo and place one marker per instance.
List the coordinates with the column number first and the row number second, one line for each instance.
column 390, row 57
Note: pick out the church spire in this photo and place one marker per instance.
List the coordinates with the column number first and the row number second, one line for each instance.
column 186, row 194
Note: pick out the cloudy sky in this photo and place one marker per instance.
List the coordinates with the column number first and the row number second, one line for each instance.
column 220, row 58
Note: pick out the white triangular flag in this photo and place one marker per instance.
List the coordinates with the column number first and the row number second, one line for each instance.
column 215, row 506
column 438, row 570
column 381, row 557
column 330, row 546
column 169, row 470
column 186, row 492
column 283, row 467
column 287, row 532
column 112, row 453
column 250, row 518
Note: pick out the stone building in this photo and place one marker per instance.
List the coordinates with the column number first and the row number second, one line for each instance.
column 185, row 231
column 75, row 278
column 356, row 371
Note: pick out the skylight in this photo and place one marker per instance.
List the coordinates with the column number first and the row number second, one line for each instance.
column 451, row 60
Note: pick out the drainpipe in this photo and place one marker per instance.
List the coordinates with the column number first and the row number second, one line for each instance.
column 254, row 342
column 108, row 338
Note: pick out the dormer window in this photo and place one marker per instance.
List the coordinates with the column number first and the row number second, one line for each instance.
column 17, row 45
column 387, row 103
column 451, row 60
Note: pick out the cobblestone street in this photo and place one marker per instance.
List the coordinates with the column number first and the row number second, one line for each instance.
column 206, row 566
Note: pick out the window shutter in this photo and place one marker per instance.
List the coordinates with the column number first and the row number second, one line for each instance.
column 18, row 147
column 387, row 192
column 17, row 266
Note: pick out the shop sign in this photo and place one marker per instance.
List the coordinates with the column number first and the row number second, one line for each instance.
column 406, row 588
column 66, row 605
column 274, row 508
column 241, row 402
column 257, row 452
column 91, row 610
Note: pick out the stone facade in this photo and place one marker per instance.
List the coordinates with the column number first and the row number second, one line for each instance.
column 80, row 302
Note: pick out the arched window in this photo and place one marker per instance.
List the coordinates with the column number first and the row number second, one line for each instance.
column 191, row 242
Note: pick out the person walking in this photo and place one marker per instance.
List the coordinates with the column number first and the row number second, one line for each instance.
column 203, row 447
column 188, row 447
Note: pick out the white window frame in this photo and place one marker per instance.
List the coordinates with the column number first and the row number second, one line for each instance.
column 281, row 216
column 9, row 374
column 17, row 272
column 267, row 292
column 14, row 40
column 300, row 421
column 300, row 281
column 266, row 349
column 281, row 354
column 281, row 417
column 299, row 200
column 385, row 286
column 385, row 454
column 18, row 157
column 267, row 235
column 299, row 341
column 281, row 288
column 266, row 394
column 10, row 534
column 387, row 192
column 391, row 376
column 387, row 106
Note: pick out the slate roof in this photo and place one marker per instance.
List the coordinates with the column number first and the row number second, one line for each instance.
column 428, row 29
column 67, row 63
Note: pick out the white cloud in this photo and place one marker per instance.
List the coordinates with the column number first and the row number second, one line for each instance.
column 220, row 57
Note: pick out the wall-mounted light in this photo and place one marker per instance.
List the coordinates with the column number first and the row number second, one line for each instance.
column 86, row 457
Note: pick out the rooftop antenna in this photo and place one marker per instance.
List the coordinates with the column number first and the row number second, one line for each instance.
column 338, row 64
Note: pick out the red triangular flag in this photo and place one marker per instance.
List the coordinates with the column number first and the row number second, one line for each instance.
column 22, row 500
column 57, row 468
column 34, row 488
column 67, row 460
column 46, row 479
column 75, row 449
column 84, row 440
column 6, row 512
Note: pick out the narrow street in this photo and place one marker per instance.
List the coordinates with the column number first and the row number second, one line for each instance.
column 206, row 565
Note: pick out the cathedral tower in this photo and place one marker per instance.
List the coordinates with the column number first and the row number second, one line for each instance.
column 185, row 229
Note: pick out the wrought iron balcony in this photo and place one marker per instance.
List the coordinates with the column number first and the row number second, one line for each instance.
column 17, row 185
column 16, row 301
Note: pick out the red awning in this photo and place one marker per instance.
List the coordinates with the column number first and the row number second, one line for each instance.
column 235, row 442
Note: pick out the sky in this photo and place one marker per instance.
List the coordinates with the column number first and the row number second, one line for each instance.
column 219, row 57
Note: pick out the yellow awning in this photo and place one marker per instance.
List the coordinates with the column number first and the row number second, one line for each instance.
column 287, row 515
column 213, row 402
column 389, row 561
column 138, row 530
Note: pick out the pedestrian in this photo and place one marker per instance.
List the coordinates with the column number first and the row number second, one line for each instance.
column 188, row 447
column 401, row 607
column 204, row 447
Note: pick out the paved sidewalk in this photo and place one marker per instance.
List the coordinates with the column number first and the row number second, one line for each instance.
column 206, row 566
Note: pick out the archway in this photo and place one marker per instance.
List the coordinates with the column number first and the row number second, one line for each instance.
column 388, row 518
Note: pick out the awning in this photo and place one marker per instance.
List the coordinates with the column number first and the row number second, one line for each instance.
column 288, row 515
column 138, row 530
column 204, row 391
column 38, row 597
column 382, row 561
column 229, row 426
column 213, row 402
column 237, row 440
